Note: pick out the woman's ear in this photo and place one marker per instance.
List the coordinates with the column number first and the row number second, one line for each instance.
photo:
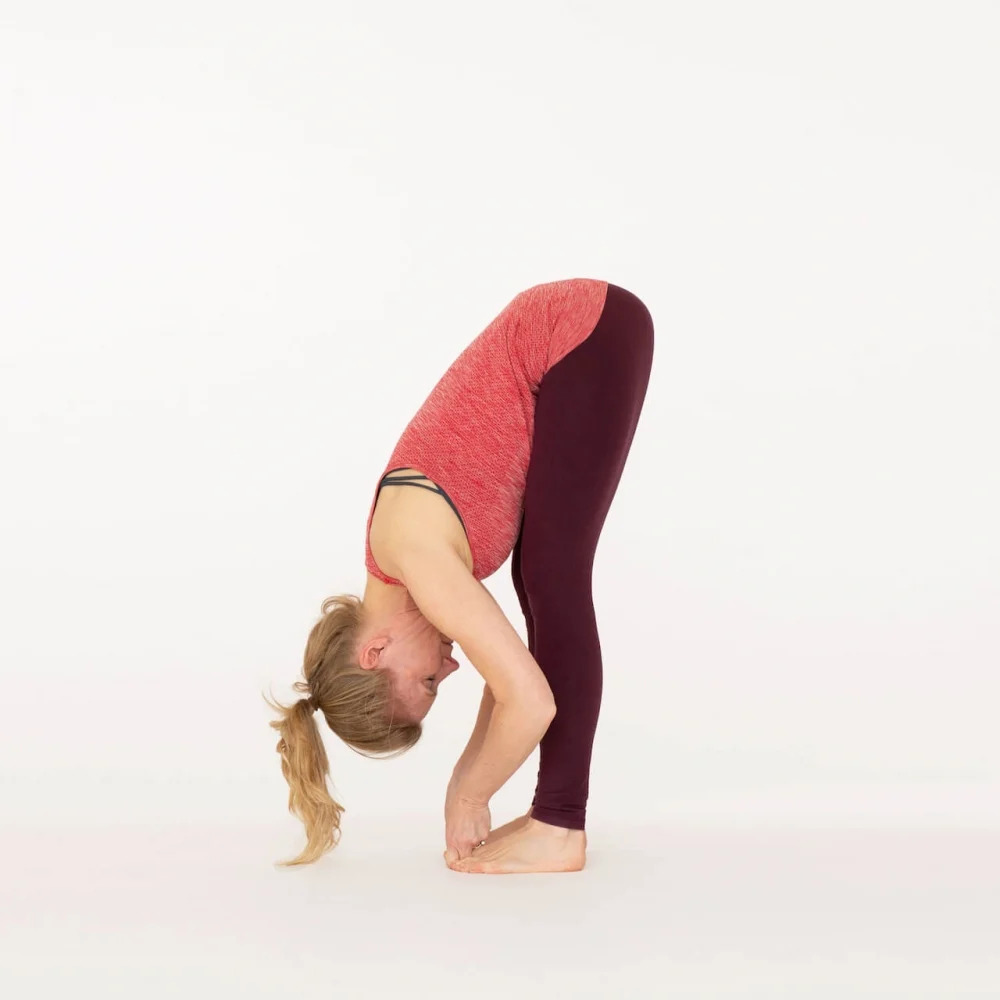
column 370, row 655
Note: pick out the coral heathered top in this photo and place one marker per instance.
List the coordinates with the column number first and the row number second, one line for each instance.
column 472, row 435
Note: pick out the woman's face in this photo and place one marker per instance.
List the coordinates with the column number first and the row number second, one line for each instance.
column 417, row 657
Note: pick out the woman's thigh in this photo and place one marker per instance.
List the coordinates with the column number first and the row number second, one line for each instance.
column 586, row 414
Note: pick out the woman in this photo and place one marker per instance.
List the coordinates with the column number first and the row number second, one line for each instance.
column 517, row 451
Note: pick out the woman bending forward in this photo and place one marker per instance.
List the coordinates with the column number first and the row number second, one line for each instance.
column 517, row 451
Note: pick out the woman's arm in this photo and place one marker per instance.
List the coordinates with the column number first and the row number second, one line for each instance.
column 513, row 732
column 470, row 751
column 478, row 734
column 457, row 604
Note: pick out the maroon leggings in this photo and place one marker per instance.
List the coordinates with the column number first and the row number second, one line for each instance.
column 586, row 414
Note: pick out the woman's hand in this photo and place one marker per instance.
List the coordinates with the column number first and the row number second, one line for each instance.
column 466, row 824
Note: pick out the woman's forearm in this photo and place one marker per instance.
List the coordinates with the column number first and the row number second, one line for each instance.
column 478, row 733
column 514, row 730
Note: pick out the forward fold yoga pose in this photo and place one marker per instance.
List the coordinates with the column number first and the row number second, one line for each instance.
column 517, row 451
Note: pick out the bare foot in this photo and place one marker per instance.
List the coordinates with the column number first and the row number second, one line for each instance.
column 507, row 828
column 534, row 847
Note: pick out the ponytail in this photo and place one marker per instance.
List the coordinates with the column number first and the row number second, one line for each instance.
column 357, row 705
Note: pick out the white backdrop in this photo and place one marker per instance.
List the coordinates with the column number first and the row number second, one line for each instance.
column 241, row 242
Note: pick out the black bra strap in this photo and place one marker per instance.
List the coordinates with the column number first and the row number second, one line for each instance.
column 411, row 481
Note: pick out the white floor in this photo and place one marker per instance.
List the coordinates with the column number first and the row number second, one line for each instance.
column 662, row 912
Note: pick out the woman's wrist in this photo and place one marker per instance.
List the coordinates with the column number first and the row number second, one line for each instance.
column 459, row 788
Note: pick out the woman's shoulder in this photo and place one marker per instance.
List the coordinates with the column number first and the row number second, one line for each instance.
column 408, row 520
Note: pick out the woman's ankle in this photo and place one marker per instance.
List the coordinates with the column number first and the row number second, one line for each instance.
column 552, row 828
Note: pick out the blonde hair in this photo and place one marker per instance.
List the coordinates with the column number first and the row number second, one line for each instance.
column 358, row 705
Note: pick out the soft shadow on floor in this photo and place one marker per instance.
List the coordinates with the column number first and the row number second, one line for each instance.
column 159, row 911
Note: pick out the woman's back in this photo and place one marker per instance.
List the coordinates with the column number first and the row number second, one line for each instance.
column 472, row 435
